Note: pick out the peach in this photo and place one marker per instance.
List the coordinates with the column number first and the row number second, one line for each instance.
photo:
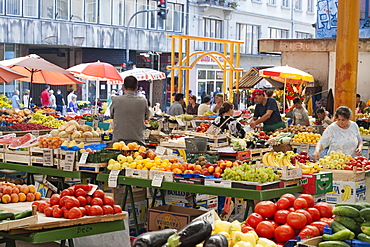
column 30, row 197
column 37, row 195
column 6, row 198
column 198, row 167
column 191, row 167
column 7, row 190
column 24, row 189
column 14, row 197
column 31, row 188
column 218, row 170
column 18, row 186
column 15, row 190
column 223, row 165
column 1, row 195
column 211, row 169
column 22, row 197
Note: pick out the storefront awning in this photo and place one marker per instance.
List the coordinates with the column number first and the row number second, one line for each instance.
column 251, row 78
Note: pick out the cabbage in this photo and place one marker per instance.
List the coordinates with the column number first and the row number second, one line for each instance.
column 286, row 140
column 239, row 144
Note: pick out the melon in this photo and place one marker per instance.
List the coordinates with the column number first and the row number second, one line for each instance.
column 237, row 113
column 6, row 141
column 21, row 141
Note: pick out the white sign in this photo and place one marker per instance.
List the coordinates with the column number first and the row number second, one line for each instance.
column 113, row 177
column 209, row 216
column 83, row 158
column 48, row 157
column 69, row 161
column 304, row 147
column 180, row 122
column 160, row 150
column 157, row 180
column 193, row 124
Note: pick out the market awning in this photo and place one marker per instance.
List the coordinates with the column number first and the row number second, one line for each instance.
column 251, row 78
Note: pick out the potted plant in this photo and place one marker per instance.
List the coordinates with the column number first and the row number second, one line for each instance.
column 233, row 5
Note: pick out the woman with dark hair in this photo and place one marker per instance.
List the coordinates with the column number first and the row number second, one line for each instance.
column 192, row 108
column 205, row 106
column 342, row 135
column 225, row 121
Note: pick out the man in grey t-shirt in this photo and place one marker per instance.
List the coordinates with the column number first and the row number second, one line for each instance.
column 177, row 107
column 129, row 113
column 300, row 115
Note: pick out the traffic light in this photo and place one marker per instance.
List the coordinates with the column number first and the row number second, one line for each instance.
column 162, row 5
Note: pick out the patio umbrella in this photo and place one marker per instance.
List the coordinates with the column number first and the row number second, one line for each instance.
column 97, row 71
column 7, row 75
column 38, row 70
column 142, row 74
column 286, row 74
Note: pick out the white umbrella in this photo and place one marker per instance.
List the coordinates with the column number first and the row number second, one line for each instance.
column 141, row 74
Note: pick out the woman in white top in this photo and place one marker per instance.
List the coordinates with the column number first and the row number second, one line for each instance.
column 53, row 102
column 204, row 107
column 342, row 135
column 27, row 99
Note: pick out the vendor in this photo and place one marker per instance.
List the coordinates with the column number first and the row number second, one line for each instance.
column 219, row 100
column 72, row 106
column 360, row 105
column 266, row 112
column 225, row 121
column 323, row 117
column 342, row 135
column 300, row 114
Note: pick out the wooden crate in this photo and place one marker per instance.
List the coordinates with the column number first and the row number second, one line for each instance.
column 257, row 153
column 40, row 160
column 26, row 151
column 91, row 167
column 345, row 175
column 37, row 151
column 16, row 158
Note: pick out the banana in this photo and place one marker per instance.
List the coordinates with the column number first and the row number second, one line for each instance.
column 271, row 160
column 265, row 159
column 347, row 192
column 281, row 161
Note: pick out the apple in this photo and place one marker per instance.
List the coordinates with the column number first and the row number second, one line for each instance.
column 191, row 167
column 206, row 173
column 197, row 172
column 218, row 170
column 144, row 155
column 217, row 175
column 207, row 165
column 211, row 169
column 223, row 165
column 198, row 167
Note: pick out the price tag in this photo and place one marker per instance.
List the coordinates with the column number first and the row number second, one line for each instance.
column 180, row 122
column 69, row 161
column 35, row 132
column 209, row 216
column 146, row 134
column 304, row 147
column 193, row 124
column 111, row 125
column 160, row 124
column 157, row 180
column 258, row 163
column 112, row 179
column 95, row 124
column 48, row 157
column 83, row 158
column 160, row 150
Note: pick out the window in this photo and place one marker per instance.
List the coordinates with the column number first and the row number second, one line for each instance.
column 1, row 7
column 298, row 5
column 141, row 21
column 275, row 33
column 153, row 15
column 62, row 12
column 302, row 35
column 212, row 29
column 11, row 51
column 250, row 35
column 91, row 11
column 129, row 11
column 310, row 5
column 178, row 17
column 30, row 8
column 208, row 81
column 273, row 2
column 285, row 3
column 77, row 10
column 169, row 21
column 105, row 12
column 118, row 12
column 47, row 8
column 13, row 7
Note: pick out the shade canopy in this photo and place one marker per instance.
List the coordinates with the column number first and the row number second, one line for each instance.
column 7, row 75
column 96, row 71
column 142, row 74
column 286, row 74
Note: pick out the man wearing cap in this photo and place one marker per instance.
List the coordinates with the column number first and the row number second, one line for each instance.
column 266, row 112
column 219, row 100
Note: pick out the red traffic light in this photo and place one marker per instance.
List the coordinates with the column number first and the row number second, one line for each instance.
column 162, row 1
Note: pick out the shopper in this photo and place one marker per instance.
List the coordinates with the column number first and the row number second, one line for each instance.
column 300, row 114
column 225, row 121
column 360, row 105
column 203, row 108
column 192, row 108
column 15, row 100
column 219, row 100
column 53, row 103
column 45, row 97
column 59, row 99
column 27, row 99
column 70, row 95
column 109, row 100
column 323, row 117
column 129, row 112
column 72, row 106
column 141, row 92
column 266, row 112
column 177, row 107
column 342, row 135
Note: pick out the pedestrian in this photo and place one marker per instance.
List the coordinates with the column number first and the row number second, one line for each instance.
column 269, row 93
column 266, row 112
column 219, row 100
column 59, row 99
column 177, row 107
column 129, row 113
column 109, row 100
column 15, row 100
column 217, row 91
column 141, row 92
column 204, row 94
column 225, row 121
column 53, row 103
column 45, row 97
column 72, row 106
column 27, row 99
column 204, row 107
column 300, row 114
column 70, row 95
column 192, row 108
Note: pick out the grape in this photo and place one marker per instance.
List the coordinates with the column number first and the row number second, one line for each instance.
column 247, row 173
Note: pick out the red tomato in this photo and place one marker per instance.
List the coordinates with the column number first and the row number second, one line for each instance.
column 117, row 209
column 283, row 203
column 108, row 200
column 290, row 197
column 291, row 209
column 281, row 216
column 315, row 230
column 265, row 208
column 83, row 211
column 54, row 200
column 65, row 192
column 315, row 214
column 107, row 209
column 307, row 214
column 320, row 225
column 72, row 202
column 88, row 200
column 95, row 210
column 57, row 213
column 327, row 220
column 306, row 233
column 87, row 208
column 265, row 229
column 325, row 209
column 99, row 193
column 71, row 191
column 36, row 204
column 55, row 206
column 48, row 211
column 62, row 200
column 300, row 203
column 309, row 199
column 41, row 207
column 253, row 219
column 80, row 192
column 246, row 228
column 82, row 200
column 273, row 223
column 296, row 220
column 75, row 213
column 66, row 213
column 97, row 201
column 283, row 233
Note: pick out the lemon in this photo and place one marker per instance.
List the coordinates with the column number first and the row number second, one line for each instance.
column 111, row 161
column 130, row 159
column 139, row 167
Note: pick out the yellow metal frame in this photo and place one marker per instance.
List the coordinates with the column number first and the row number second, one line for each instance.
column 230, row 64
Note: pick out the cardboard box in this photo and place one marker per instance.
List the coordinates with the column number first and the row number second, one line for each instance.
column 137, row 173
column 170, row 216
column 141, row 206
column 209, row 204
column 347, row 192
column 345, row 175
column 218, row 183
column 317, row 183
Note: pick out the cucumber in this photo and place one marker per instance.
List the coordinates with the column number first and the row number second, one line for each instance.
column 347, row 222
column 365, row 204
column 359, row 207
column 24, row 214
column 6, row 215
column 333, row 244
column 346, row 211
column 363, row 237
column 365, row 213
column 338, row 236
column 336, row 226
column 359, row 219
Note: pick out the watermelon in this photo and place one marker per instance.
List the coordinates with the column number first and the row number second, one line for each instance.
column 7, row 141
column 237, row 113
column 21, row 141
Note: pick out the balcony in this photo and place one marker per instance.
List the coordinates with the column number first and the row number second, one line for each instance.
column 219, row 3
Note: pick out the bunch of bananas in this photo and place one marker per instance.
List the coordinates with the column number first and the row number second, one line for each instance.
column 278, row 159
column 311, row 167
column 347, row 193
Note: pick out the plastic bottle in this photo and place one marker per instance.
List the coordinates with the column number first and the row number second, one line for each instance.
column 328, row 230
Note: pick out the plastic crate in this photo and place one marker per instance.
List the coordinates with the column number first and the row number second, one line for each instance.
column 100, row 157
column 196, row 144
column 357, row 243
column 211, row 157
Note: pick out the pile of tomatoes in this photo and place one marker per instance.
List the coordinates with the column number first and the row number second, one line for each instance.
column 289, row 217
column 358, row 163
column 74, row 203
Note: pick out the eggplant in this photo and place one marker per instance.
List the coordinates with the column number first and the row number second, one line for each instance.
column 153, row 239
column 216, row 240
column 194, row 233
